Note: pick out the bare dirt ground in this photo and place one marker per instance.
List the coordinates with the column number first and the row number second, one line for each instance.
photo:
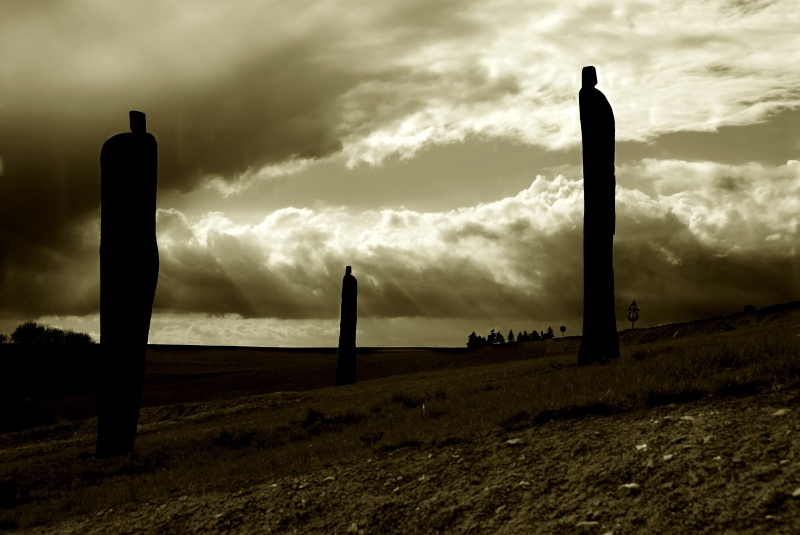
column 727, row 465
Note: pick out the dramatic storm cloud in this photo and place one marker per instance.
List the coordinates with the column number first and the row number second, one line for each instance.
column 713, row 236
column 405, row 139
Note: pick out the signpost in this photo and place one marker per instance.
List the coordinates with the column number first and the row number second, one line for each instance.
column 633, row 313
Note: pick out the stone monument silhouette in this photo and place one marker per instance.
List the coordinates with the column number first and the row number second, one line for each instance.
column 346, row 364
column 128, row 277
column 600, row 340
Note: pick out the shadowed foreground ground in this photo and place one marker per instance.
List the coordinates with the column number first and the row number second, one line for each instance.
column 696, row 428
column 729, row 465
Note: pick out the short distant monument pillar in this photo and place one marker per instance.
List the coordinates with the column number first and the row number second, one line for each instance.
column 128, row 277
column 346, row 365
column 600, row 340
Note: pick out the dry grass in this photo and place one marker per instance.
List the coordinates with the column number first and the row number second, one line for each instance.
column 53, row 474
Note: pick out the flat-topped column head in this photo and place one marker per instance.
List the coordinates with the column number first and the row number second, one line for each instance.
column 588, row 77
column 348, row 270
column 138, row 122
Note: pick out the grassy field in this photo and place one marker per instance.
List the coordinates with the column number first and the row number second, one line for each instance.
column 214, row 419
column 187, row 374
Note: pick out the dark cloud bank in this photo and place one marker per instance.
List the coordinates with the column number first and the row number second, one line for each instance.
column 284, row 104
column 659, row 262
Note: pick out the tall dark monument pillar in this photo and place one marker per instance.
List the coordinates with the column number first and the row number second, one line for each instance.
column 128, row 277
column 346, row 365
column 599, row 340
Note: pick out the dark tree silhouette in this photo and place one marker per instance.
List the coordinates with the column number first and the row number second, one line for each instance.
column 4, row 339
column 31, row 332
column 346, row 365
column 474, row 340
column 128, row 278
column 749, row 309
column 496, row 338
column 563, row 329
column 600, row 339
column 74, row 337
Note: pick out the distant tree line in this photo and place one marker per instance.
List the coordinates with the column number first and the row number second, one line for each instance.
column 497, row 338
column 31, row 332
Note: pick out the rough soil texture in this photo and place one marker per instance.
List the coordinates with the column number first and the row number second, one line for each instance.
column 712, row 466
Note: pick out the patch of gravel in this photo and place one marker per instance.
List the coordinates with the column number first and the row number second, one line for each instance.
column 712, row 466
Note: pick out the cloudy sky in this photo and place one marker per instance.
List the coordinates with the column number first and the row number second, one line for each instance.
column 433, row 146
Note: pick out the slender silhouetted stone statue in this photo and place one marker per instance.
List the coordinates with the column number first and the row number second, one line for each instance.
column 128, row 276
column 599, row 340
column 346, row 365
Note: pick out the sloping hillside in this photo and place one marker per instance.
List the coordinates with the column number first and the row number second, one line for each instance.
column 690, row 432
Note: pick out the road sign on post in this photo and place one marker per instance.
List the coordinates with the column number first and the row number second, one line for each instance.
column 633, row 313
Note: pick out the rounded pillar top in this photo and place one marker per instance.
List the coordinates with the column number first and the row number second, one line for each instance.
column 348, row 270
column 138, row 122
column 589, row 76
